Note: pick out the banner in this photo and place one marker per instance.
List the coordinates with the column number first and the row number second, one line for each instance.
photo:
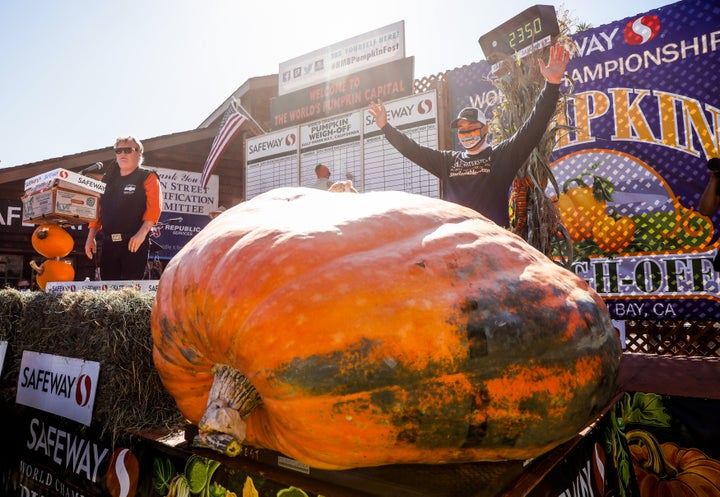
column 353, row 55
column 645, row 119
column 50, row 456
column 386, row 82
column 185, row 210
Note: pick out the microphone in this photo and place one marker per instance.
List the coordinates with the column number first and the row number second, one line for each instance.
column 173, row 220
column 98, row 166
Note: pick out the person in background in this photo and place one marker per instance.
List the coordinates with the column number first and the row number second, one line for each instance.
column 480, row 177
column 129, row 207
column 710, row 198
column 323, row 177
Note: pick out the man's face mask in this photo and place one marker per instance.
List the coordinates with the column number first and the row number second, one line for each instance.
column 470, row 138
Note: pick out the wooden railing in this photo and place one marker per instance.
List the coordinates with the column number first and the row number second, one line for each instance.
column 677, row 338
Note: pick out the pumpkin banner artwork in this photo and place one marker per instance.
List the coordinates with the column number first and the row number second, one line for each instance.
column 349, row 330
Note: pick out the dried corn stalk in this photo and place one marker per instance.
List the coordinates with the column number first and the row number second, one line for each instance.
column 534, row 216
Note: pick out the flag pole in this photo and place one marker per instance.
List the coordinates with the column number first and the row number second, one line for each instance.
column 231, row 125
column 238, row 105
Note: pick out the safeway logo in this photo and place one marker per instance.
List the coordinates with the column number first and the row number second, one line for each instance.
column 641, row 30
column 290, row 139
column 83, row 390
column 59, row 385
column 425, row 106
column 63, row 174
column 123, row 472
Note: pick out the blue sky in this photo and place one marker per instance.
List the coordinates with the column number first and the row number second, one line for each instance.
column 75, row 74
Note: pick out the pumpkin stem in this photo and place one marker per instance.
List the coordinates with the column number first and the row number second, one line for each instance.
column 231, row 398
column 234, row 387
column 656, row 461
column 36, row 268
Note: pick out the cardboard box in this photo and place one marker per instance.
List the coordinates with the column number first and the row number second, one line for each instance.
column 64, row 179
column 60, row 206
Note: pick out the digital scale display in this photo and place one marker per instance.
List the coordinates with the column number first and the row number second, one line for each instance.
column 533, row 28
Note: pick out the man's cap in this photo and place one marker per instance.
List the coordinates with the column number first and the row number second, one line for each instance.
column 471, row 114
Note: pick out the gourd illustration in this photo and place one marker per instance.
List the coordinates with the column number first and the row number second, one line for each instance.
column 617, row 206
column 348, row 330
column 54, row 242
column 580, row 211
column 667, row 469
column 614, row 233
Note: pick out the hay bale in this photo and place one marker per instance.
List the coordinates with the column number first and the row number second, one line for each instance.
column 112, row 328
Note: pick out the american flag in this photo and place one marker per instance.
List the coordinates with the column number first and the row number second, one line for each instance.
column 232, row 123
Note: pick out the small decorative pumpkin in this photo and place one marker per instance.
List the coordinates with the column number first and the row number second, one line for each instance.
column 614, row 233
column 348, row 330
column 580, row 211
column 667, row 469
column 50, row 240
column 52, row 270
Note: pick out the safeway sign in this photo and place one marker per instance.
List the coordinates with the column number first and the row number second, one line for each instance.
column 59, row 385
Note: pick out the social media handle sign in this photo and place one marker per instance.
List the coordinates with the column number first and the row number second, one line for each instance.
column 59, row 385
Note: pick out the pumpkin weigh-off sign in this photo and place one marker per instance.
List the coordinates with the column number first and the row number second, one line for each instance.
column 348, row 330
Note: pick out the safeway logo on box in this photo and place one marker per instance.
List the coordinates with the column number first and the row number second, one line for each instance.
column 59, row 385
column 65, row 178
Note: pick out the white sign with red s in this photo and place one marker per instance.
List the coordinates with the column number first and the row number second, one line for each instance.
column 59, row 385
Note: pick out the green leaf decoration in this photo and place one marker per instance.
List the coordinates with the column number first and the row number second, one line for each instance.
column 163, row 472
column 646, row 409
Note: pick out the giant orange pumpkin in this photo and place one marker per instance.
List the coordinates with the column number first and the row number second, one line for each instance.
column 349, row 330
column 51, row 240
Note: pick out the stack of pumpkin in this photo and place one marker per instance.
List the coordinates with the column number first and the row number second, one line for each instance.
column 54, row 242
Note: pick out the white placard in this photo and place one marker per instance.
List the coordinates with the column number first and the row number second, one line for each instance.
column 76, row 286
column 352, row 146
column 59, row 385
column 386, row 168
column 183, row 194
column 335, row 142
column 355, row 54
column 272, row 161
